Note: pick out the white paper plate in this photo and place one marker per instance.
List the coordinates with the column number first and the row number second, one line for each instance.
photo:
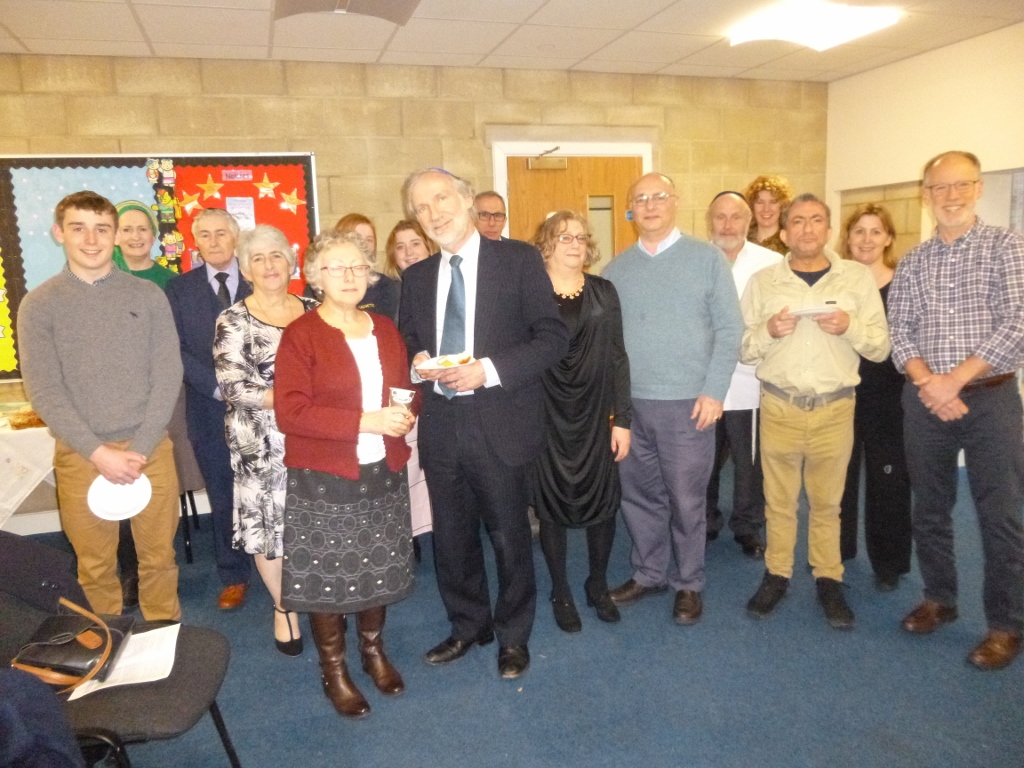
column 110, row 501
column 435, row 363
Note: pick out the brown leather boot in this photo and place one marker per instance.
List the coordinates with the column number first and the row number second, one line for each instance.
column 370, row 624
column 329, row 636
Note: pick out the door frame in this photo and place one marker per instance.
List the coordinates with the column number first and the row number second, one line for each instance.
column 502, row 150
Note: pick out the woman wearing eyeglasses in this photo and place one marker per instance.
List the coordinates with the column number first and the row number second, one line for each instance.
column 347, row 530
column 575, row 482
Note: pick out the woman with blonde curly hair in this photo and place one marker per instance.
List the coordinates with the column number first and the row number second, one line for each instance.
column 768, row 197
column 868, row 236
column 575, row 481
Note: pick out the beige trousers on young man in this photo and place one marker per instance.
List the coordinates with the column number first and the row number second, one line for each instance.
column 811, row 448
column 95, row 539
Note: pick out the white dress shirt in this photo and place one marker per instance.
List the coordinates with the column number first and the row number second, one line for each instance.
column 668, row 242
column 232, row 281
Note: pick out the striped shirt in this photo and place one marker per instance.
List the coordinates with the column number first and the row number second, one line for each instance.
column 951, row 301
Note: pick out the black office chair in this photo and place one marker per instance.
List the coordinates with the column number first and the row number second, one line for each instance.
column 33, row 577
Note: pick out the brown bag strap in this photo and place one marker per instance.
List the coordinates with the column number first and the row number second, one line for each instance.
column 73, row 681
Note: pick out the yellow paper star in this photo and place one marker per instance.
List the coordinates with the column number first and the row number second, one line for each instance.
column 191, row 202
column 210, row 188
column 291, row 202
column 266, row 187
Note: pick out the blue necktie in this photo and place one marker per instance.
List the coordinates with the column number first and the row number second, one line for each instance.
column 453, row 336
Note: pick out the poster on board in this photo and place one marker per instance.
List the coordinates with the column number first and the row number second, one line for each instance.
column 276, row 189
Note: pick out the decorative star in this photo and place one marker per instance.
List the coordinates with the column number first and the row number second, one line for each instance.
column 191, row 202
column 291, row 202
column 266, row 187
column 210, row 188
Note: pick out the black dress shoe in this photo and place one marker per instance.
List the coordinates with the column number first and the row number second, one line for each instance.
column 752, row 545
column 602, row 604
column 513, row 660
column 450, row 649
column 688, row 607
column 887, row 582
column 630, row 592
column 566, row 616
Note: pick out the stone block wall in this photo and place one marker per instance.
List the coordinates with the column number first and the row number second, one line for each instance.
column 371, row 124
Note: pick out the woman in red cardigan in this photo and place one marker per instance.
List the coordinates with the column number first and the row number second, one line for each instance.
column 347, row 530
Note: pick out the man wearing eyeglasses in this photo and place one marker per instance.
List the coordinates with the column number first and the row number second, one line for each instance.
column 682, row 326
column 490, row 214
column 481, row 422
column 957, row 316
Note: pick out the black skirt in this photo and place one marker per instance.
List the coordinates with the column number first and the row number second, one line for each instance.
column 347, row 543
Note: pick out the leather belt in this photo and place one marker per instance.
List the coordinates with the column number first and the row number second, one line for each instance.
column 979, row 384
column 808, row 402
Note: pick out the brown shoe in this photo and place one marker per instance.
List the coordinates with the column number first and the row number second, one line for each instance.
column 688, row 607
column 630, row 592
column 928, row 617
column 370, row 625
column 329, row 636
column 996, row 651
column 232, row 597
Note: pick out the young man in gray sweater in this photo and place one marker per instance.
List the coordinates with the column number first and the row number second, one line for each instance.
column 99, row 355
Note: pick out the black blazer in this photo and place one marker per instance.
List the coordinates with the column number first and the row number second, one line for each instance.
column 517, row 326
column 195, row 307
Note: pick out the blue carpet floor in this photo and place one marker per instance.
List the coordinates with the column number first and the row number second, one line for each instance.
column 730, row 692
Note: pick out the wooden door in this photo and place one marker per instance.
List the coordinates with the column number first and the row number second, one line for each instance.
column 594, row 186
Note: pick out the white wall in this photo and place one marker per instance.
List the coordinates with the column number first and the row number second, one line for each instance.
column 884, row 124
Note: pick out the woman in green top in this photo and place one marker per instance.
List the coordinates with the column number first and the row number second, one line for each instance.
column 136, row 234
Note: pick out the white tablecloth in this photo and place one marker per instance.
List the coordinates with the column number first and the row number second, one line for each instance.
column 26, row 459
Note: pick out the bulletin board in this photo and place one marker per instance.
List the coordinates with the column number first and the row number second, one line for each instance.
column 276, row 189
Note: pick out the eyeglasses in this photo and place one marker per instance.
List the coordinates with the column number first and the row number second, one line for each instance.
column 488, row 216
column 566, row 239
column 658, row 199
column 961, row 186
column 339, row 270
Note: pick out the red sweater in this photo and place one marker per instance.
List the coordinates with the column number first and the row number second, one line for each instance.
column 318, row 395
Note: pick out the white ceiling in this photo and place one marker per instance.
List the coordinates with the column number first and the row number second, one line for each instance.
column 673, row 37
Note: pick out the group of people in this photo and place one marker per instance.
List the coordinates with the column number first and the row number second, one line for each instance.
column 535, row 383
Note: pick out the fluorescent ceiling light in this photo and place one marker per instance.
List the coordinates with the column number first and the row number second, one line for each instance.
column 814, row 23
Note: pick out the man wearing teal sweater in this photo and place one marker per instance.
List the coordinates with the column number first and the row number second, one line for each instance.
column 682, row 325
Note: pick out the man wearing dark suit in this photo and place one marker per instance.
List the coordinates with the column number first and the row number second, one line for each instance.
column 197, row 297
column 481, row 423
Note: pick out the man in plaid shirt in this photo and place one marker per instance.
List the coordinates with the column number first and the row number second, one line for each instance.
column 956, row 314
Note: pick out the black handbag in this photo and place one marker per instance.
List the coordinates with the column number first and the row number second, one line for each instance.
column 70, row 648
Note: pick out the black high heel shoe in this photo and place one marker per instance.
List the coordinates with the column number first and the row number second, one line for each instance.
column 292, row 646
column 566, row 616
column 602, row 604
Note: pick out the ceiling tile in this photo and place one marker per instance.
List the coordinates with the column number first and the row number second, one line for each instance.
column 770, row 73
column 88, row 47
column 433, row 35
column 1012, row 10
column 60, row 20
column 200, row 51
column 333, row 30
column 924, row 31
column 514, row 11
column 526, row 62
column 430, row 59
column 10, row 45
column 243, row 5
column 205, row 26
column 555, row 42
column 653, row 46
column 700, row 17
column 605, row 14
column 628, row 67
column 752, row 54
column 694, row 70
column 346, row 55
column 840, row 57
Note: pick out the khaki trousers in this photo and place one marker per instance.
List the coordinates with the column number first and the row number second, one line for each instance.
column 95, row 540
column 811, row 448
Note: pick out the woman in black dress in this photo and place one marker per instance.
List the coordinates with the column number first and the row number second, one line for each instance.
column 868, row 237
column 575, row 482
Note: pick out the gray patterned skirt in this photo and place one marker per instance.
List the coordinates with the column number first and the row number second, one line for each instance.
column 347, row 543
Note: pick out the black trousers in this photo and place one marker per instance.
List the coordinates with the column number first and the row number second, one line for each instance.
column 734, row 435
column 878, row 444
column 470, row 486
